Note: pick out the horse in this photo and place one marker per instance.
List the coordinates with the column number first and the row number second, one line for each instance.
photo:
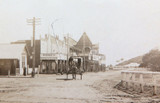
column 74, row 69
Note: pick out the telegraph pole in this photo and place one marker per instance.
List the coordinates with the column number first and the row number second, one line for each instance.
column 67, row 46
column 84, row 53
column 67, row 52
column 33, row 22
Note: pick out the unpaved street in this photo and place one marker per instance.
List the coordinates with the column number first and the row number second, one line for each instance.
column 94, row 88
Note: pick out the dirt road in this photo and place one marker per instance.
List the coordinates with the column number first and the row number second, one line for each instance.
column 94, row 88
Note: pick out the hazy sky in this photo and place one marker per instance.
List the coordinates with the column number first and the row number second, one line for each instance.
column 123, row 28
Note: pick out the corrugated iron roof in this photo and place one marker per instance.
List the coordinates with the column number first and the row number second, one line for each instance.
column 11, row 51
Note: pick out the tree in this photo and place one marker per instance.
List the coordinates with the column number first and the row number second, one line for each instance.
column 152, row 60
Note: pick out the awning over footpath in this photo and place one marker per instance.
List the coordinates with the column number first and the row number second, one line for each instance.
column 11, row 51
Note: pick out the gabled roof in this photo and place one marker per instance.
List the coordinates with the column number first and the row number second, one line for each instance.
column 11, row 51
column 84, row 41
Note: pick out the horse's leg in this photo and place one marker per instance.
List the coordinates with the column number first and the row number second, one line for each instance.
column 81, row 76
column 67, row 75
column 72, row 76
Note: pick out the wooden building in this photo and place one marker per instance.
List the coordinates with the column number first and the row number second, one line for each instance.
column 90, row 53
column 29, row 47
column 13, row 59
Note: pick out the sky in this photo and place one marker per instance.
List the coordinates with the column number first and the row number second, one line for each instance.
column 123, row 28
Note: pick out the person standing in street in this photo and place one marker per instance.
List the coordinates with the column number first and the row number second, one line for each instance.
column 24, row 71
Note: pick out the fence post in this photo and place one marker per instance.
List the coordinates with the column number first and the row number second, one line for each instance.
column 123, row 78
column 133, row 80
column 141, row 83
column 154, row 84
column 129, row 79
column 126, row 80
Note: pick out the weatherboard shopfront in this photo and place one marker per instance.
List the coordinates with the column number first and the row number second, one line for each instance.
column 52, row 62
column 13, row 59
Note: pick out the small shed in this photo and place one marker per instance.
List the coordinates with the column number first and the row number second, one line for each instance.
column 13, row 58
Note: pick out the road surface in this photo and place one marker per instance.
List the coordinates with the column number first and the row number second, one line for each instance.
column 51, row 88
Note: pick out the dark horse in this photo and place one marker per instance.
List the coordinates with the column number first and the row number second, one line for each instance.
column 73, row 69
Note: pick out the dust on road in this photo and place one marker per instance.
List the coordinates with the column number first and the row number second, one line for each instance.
column 94, row 88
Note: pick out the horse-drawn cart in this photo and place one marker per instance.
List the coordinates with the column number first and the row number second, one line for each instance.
column 75, row 66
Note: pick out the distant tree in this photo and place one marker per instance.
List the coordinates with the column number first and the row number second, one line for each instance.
column 122, row 59
column 152, row 60
column 142, row 65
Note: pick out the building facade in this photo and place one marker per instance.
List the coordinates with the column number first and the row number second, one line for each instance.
column 53, row 55
column 90, row 52
column 29, row 47
column 13, row 59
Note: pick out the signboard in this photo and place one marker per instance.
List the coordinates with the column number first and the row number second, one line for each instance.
column 53, row 56
column 82, row 54
column 49, row 56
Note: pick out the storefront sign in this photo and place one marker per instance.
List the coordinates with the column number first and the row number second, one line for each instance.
column 48, row 56
column 53, row 56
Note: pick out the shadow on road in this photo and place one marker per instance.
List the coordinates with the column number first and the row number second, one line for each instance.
column 15, row 77
column 65, row 79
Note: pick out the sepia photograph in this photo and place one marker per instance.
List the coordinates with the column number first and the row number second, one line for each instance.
column 79, row 51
